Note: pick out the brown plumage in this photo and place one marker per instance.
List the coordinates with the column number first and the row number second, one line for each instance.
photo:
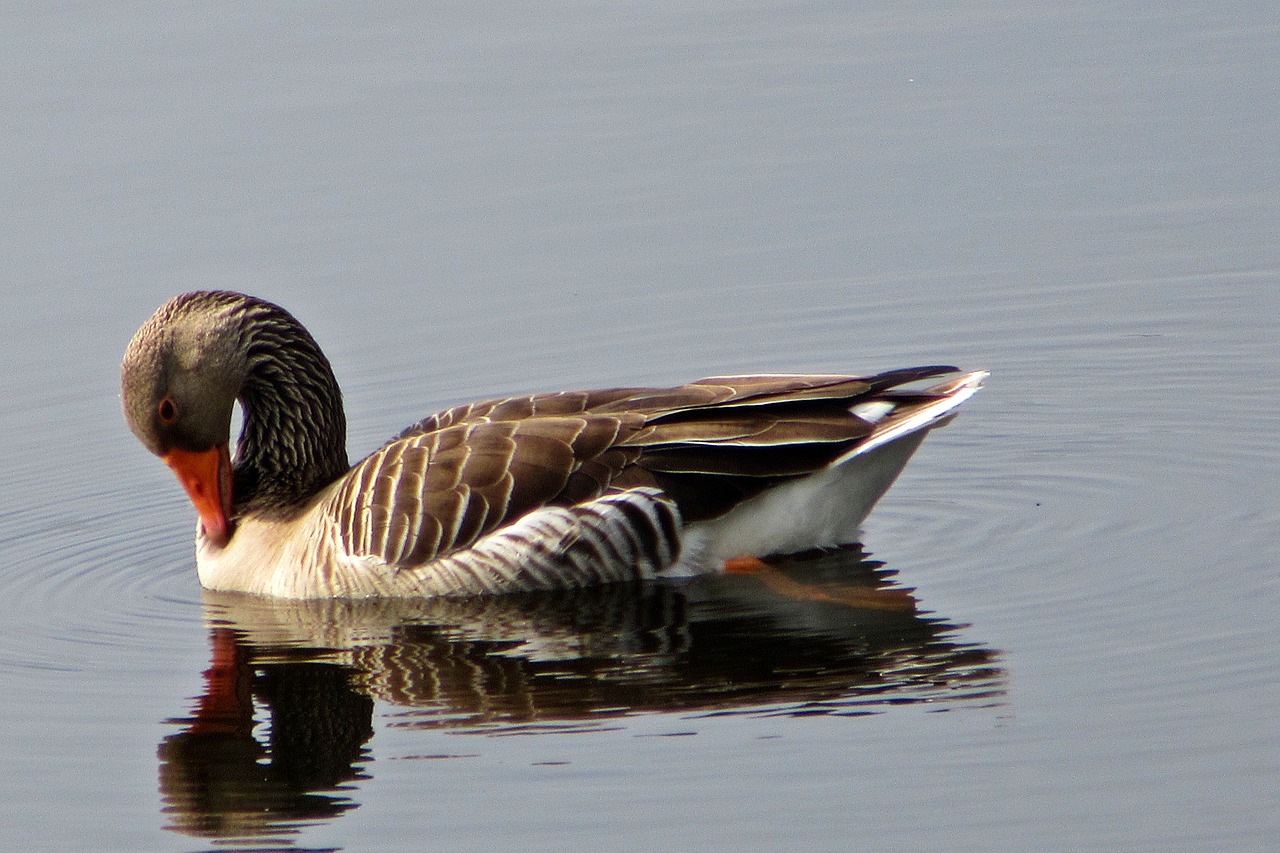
column 603, row 476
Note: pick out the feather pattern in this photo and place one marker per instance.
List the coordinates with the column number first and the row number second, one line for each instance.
column 520, row 493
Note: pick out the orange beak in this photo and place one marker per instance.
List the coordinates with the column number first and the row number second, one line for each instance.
column 206, row 475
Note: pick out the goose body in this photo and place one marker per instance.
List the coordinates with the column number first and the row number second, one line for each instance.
column 524, row 493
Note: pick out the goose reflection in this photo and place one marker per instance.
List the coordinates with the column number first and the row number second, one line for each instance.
column 824, row 633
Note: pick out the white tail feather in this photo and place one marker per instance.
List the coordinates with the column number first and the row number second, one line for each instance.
column 823, row 509
column 956, row 392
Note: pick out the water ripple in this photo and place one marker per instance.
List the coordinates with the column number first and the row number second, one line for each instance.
column 94, row 574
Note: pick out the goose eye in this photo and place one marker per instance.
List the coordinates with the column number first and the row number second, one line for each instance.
column 167, row 410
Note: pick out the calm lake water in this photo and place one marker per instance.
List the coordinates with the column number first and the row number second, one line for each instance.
column 1060, row 631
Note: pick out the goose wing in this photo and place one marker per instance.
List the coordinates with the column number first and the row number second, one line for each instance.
column 460, row 474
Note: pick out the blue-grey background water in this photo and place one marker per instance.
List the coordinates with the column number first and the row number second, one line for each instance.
column 466, row 200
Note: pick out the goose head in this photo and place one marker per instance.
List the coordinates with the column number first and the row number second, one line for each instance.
column 181, row 376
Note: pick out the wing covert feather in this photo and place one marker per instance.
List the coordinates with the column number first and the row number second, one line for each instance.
column 457, row 475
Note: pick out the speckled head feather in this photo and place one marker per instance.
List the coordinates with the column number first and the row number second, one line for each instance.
column 203, row 351
column 184, row 352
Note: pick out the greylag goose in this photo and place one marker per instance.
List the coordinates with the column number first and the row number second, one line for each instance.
column 526, row 493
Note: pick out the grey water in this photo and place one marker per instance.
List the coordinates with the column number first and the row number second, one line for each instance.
column 1058, row 631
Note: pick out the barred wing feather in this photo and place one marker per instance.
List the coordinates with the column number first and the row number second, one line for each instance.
column 463, row 473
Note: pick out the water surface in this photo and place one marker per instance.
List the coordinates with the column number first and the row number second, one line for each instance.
column 1057, row 632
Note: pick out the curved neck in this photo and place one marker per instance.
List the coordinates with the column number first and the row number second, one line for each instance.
column 293, row 442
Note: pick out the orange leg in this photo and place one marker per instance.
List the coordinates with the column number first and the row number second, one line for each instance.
column 747, row 566
column 863, row 596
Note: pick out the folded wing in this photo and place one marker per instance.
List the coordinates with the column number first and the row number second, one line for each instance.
column 449, row 480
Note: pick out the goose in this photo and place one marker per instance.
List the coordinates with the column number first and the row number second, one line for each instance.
column 537, row 492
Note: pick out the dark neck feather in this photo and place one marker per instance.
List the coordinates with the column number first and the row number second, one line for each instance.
column 293, row 442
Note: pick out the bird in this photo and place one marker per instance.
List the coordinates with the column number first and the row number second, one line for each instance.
column 525, row 493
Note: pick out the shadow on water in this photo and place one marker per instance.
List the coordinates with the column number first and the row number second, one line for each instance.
column 825, row 634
